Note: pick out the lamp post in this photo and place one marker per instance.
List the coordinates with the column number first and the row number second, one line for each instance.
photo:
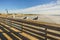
column 6, row 11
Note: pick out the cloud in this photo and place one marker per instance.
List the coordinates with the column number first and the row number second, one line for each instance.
column 58, row 2
column 2, row 11
column 50, row 8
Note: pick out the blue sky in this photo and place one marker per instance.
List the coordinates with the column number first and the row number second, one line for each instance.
column 21, row 4
column 30, row 6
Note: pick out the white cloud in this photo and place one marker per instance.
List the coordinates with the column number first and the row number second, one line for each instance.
column 58, row 1
column 2, row 11
column 50, row 8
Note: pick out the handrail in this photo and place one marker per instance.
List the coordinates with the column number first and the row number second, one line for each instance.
column 51, row 32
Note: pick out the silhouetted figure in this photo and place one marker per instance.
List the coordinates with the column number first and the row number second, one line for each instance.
column 35, row 18
column 25, row 18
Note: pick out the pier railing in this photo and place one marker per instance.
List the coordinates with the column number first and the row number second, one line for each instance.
column 35, row 29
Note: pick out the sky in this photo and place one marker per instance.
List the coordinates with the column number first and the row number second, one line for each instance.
column 30, row 6
column 20, row 4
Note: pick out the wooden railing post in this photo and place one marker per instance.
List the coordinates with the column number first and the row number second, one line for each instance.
column 45, row 33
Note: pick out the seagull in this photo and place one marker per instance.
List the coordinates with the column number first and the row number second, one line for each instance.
column 35, row 18
column 25, row 18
